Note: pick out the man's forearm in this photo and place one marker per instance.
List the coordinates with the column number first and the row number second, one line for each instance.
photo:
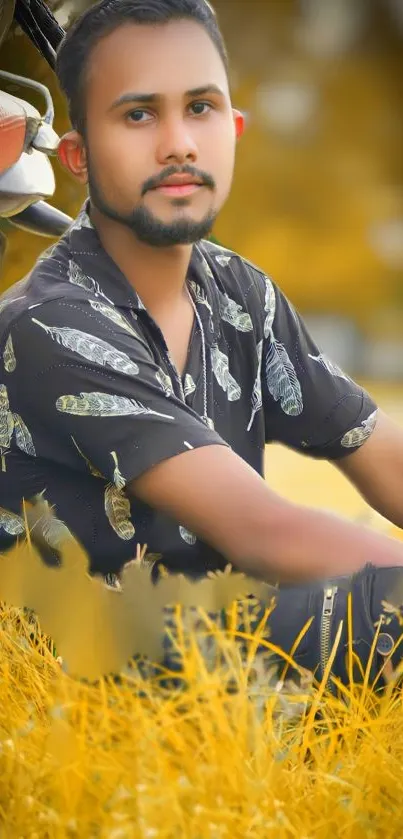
column 302, row 544
column 376, row 469
column 222, row 500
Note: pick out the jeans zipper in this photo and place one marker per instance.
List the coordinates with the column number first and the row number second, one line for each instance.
column 329, row 596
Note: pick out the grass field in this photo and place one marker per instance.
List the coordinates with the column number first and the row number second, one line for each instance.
column 107, row 761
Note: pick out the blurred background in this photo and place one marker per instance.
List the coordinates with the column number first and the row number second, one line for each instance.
column 318, row 193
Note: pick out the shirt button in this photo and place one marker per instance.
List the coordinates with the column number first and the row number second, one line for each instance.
column 385, row 643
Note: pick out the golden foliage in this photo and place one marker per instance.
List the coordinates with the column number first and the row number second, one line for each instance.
column 128, row 759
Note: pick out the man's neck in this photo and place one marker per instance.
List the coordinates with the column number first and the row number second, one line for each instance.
column 158, row 275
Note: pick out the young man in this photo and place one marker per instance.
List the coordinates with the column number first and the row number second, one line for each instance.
column 144, row 369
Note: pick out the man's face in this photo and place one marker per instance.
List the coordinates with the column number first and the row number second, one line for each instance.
column 158, row 107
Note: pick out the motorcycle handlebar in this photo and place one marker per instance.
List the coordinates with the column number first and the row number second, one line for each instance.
column 43, row 219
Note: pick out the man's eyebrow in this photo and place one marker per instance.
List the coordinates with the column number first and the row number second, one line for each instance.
column 207, row 88
column 150, row 98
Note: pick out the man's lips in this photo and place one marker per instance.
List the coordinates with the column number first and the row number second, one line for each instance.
column 179, row 185
column 178, row 189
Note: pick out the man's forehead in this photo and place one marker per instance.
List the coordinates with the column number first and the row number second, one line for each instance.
column 164, row 59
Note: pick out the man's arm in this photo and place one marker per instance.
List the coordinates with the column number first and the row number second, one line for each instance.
column 376, row 469
column 221, row 499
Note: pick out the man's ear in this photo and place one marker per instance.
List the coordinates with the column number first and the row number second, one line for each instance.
column 72, row 155
column 240, row 123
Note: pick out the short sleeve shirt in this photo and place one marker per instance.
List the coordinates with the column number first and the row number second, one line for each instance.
column 90, row 398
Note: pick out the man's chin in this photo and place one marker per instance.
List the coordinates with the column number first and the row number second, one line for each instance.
column 180, row 227
column 169, row 239
column 160, row 232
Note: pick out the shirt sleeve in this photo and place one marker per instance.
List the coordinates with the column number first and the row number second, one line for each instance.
column 89, row 395
column 309, row 403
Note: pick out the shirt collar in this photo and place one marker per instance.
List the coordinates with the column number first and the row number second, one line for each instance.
column 88, row 253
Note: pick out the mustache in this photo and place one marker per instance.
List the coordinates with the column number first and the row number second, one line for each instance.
column 153, row 183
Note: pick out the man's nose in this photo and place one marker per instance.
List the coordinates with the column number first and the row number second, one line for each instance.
column 176, row 142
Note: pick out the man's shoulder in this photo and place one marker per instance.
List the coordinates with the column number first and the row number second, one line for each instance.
column 225, row 257
column 243, row 291
column 51, row 279
column 233, row 271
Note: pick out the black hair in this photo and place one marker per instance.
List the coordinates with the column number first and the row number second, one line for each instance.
column 104, row 17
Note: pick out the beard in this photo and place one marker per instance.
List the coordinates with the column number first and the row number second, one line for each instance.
column 147, row 227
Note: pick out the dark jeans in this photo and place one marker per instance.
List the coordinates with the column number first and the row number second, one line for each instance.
column 327, row 607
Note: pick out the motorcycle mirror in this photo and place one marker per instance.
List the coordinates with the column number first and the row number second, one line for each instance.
column 29, row 180
column 40, row 133
column 26, row 175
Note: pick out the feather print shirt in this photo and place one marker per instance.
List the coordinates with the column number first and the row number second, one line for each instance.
column 90, row 399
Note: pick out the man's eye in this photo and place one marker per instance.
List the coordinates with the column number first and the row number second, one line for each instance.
column 138, row 115
column 200, row 108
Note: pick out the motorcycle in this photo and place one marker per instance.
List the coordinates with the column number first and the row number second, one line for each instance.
column 28, row 140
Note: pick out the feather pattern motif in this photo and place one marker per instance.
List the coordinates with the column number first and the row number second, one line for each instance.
column 358, row 436
column 187, row 536
column 201, row 298
column 82, row 220
column 9, row 359
column 200, row 295
column 269, row 306
column 118, row 478
column 207, row 268
column 117, row 509
column 12, row 524
column 77, row 277
column 257, row 387
column 23, row 436
column 223, row 260
column 13, row 424
column 189, row 385
column 233, row 313
column 97, row 404
column 112, row 314
column 282, row 380
column 91, row 348
column 94, row 472
column 165, row 382
column 224, row 378
column 220, row 251
column 329, row 365
column 6, row 419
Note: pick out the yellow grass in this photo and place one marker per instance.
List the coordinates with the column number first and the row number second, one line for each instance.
column 106, row 760
column 126, row 760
